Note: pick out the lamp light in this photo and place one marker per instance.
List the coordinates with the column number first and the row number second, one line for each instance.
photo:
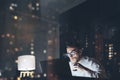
column 26, row 65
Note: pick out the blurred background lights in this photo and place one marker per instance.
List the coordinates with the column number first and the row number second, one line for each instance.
column 110, row 53
column 51, row 75
column 45, row 75
column 50, row 31
column 11, row 8
column 30, row 5
column 8, row 35
column 32, row 52
column 39, row 20
column 50, row 57
column 14, row 4
column 33, row 16
column 37, row 4
column 44, row 51
column 32, row 48
column 32, row 44
column 38, row 76
column 15, row 17
column 11, row 42
column 13, row 36
column 16, row 49
column 50, row 42
column 110, row 56
column 115, row 53
column 16, row 61
column 2, row 35
column 33, row 8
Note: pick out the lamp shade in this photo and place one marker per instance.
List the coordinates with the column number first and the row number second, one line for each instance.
column 26, row 62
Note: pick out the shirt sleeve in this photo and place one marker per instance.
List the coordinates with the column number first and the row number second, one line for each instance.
column 90, row 64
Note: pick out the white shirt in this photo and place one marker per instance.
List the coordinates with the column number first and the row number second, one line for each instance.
column 88, row 63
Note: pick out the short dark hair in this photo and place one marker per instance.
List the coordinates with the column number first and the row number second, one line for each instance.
column 73, row 44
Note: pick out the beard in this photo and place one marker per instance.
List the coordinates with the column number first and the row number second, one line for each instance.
column 74, row 60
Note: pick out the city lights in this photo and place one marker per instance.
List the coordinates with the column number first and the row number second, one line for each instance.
column 42, row 28
column 15, row 17
column 44, row 51
column 32, row 52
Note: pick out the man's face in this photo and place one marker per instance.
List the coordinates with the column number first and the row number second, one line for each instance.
column 72, row 54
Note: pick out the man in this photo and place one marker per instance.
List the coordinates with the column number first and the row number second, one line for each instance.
column 82, row 66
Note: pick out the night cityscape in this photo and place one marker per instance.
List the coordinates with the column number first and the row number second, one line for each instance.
column 42, row 28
